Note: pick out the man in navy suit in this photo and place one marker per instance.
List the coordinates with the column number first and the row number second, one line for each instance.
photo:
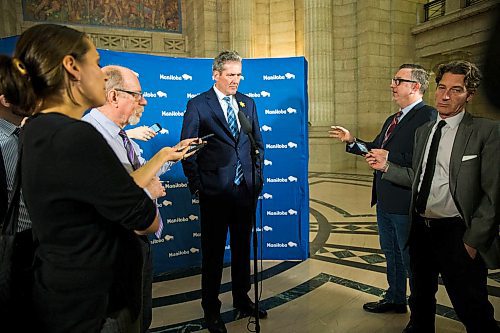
column 221, row 175
column 396, row 138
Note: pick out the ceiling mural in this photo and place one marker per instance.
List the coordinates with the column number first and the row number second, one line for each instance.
column 157, row 15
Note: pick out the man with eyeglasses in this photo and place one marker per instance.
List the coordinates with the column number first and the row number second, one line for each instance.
column 395, row 142
column 124, row 105
column 455, row 206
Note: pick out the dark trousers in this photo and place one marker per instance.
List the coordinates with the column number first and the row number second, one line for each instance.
column 22, row 281
column 218, row 215
column 438, row 248
column 147, row 284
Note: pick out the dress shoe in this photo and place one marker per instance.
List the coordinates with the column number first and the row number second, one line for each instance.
column 384, row 306
column 248, row 309
column 215, row 324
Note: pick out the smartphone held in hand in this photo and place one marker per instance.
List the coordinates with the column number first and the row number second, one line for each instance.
column 362, row 147
column 155, row 127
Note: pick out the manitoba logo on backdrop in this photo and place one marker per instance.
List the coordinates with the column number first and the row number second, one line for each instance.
column 289, row 179
column 175, row 185
column 286, row 76
column 263, row 93
column 158, row 94
column 265, row 228
column 289, row 110
column 288, row 145
column 183, row 219
column 167, row 238
column 282, row 245
column 281, row 212
column 173, row 113
column 173, row 77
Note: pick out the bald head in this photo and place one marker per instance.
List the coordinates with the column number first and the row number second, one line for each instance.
column 124, row 102
column 117, row 75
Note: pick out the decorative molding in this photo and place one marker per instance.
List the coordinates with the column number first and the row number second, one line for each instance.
column 174, row 45
column 165, row 45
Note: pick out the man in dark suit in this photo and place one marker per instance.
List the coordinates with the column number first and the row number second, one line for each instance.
column 455, row 206
column 221, row 175
column 396, row 139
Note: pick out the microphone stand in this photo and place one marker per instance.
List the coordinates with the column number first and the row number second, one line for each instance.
column 254, row 154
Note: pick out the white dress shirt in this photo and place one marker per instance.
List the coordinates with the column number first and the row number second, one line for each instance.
column 223, row 105
column 440, row 203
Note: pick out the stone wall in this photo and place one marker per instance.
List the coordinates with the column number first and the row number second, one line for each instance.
column 353, row 49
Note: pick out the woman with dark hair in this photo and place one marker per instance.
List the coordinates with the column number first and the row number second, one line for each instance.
column 85, row 208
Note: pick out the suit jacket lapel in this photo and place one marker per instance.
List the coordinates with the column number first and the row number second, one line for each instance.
column 214, row 104
column 464, row 132
column 243, row 108
column 419, row 152
column 403, row 121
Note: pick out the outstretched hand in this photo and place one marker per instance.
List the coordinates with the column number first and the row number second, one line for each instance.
column 142, row 133
column 341, row 133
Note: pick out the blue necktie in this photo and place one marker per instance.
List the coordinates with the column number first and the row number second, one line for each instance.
column 233, row 126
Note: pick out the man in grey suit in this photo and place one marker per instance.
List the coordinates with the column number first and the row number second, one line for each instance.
column 455, row 180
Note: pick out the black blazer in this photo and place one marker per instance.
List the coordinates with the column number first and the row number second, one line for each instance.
column 391, row 198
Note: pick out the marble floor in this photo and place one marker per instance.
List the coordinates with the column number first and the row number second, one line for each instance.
column 322, row 294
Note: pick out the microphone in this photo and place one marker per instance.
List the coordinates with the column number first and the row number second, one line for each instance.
column 245, row 124
column 246, row 127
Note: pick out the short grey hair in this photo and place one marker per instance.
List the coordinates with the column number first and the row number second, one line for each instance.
column 114, row 75
column 223, row 57
column 419, row 74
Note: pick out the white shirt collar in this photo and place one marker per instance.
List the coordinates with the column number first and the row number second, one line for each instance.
column 453, row 121
column 221, row 96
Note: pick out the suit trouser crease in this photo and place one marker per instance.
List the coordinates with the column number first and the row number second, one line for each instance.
column 218, row 215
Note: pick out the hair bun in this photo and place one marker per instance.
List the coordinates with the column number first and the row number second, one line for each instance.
column 18, row 64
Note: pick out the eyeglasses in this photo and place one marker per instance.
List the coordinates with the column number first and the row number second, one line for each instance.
column 136, row 94
column 397, row 81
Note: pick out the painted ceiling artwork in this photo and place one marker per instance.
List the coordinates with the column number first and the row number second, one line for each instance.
column 159, row 15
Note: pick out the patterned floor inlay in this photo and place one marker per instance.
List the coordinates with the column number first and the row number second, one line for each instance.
column 290, row 295
column 343, row 246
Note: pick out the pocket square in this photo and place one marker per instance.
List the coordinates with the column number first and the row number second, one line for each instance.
column 468, row 157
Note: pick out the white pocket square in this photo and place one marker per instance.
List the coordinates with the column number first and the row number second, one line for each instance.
column 468, row 157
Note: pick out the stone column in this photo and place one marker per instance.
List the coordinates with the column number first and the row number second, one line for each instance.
column 319, row 53
column 9, row 21
column 241, row 22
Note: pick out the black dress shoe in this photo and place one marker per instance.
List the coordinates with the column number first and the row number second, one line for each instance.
column 215, row 324
column 248, row 309
column 384, row 306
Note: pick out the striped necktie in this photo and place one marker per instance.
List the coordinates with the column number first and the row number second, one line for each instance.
column 391, row 127
column 132, row 157
column 134, row 161
column 233, row 126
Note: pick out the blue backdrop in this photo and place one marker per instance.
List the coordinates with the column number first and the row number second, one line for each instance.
column 279, row 88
